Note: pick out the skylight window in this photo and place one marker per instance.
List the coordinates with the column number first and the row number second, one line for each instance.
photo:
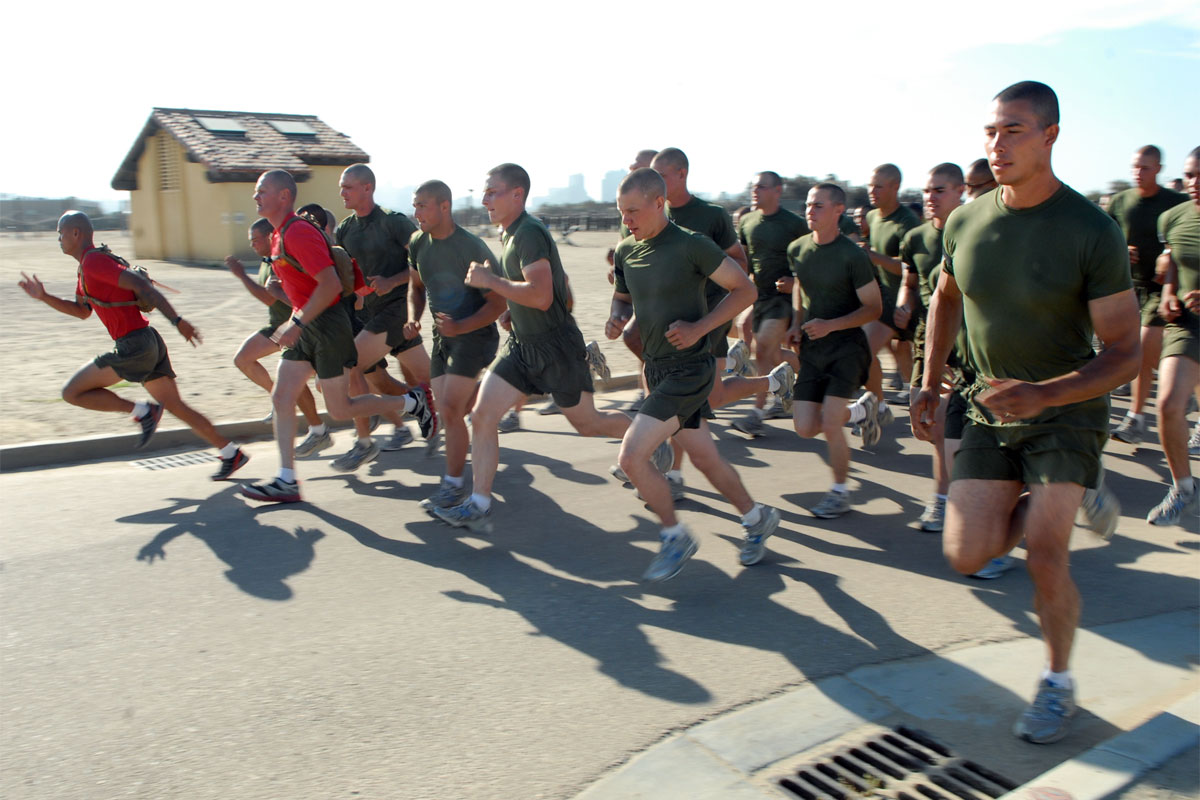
column 221, row 124
column 293, row 127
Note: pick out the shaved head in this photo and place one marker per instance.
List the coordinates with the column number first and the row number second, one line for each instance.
column 770, row 179
column 280, row 179
column 951, row 172
column 75, row 221
column 642, row 159
column 671, row 157
column 888, row 172
column 436, row 190
column 263, row 226
column 511, row 175
column 1040, row 96
column 1152, row 152
column 361, row 173
column 646, row 181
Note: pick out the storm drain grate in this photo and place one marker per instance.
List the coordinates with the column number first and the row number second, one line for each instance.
column 177, row 460
column 902, row 764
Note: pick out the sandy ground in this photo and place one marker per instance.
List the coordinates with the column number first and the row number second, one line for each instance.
column 40, row 348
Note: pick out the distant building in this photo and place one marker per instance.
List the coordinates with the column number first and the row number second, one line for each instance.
column 191, row 176
column 41, row 213
column 573, row 192
column 608, row 187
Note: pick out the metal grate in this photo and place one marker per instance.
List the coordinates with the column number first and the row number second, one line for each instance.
column 902, row 764
column 177, row 460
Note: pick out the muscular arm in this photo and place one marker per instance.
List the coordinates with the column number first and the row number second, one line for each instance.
column 261, row 293
column 619, row 314
column 738, row 254
column 941, row 329
column 732, row 278
column 871, row 306
column 328, row 288
column 417, row 297
column 536, row 291
column 892, row 265
column 74, row 308
column 494, row 305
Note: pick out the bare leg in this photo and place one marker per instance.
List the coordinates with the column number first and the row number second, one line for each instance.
column 645, row 434
column 1178, row 378
column 290, row 379
column 86, row 389
column 589, row 421
column 496, row 396
column 1151, row 350
column 878, row 335
column 834, row 413
column 1047, row 526
column 254, row 349
column 166, row 392
column 702, row 450
column 453, row 393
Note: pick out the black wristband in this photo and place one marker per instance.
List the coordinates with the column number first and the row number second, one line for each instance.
column 177, row 320
column 299, row 323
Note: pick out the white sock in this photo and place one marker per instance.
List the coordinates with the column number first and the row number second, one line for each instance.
column 840, row 487
column 729, row 363
column 364, row 440
column 481, row 502
column 1062, row 680
column 882, row 406
column 229, row 450
column 140, row 409
column 455, row 482
column 773, row 384
column 858, row 412
column 752, row 516
column 1186, row 486
column 410, row 403
column 673, row 532
column 287, row 475
column 761, row 413
column 318, row 430
column 675, row 475
column 862, row 398
column 1138, row 418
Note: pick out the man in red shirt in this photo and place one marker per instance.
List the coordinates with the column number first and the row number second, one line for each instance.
column 139, row 355
column 318, row 337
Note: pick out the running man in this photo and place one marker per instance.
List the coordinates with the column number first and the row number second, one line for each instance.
column 317, row 338
column 835, row 294
column 106, row 284
column 663, row 272
column 464, row 323
column 979, row 179
column 1030, row 270
column 260, row 344
column 544, row 353
column 1137, row 211
column 1179, row 372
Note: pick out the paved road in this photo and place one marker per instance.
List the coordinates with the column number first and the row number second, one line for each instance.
column 163, row 637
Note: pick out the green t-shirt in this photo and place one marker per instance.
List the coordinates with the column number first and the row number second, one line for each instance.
column 830, row 276
column 886, row 235
column 443, row 264
column 278, row 312
column 921, row 249
column 1027, row 276
column 712, row 221
column 847, row 226
column 766, row 239
column 666, row 276
column 525, row 242
column 1180, row 229
column 1138, row 218
column 379, row 243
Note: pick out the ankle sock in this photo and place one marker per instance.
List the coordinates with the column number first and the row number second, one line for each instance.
column 140, row 409
column 673, row 532
column 457, row 483
column 1062, row 680
column 318, row 430
column 752, row 516
column 481, row 502
column 287, row 475
column 229, row 450
column 858, row 412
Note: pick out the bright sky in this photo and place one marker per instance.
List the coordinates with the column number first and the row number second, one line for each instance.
column 449, row 89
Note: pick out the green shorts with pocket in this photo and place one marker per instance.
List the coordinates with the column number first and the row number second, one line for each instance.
column 553, row 363
column 777, row 307
column 1030, row 454
column 138, row 357
column 719, row 340
column 1182, row 339
column 1149, row 295
column 390, row 318
column 679, row 389
column 466, row 355
column 327, row 343
column 832, row 366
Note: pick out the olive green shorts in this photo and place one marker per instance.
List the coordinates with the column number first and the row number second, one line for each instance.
column 327, row 343
column 832, row 366
column 466, row 355
column 1149, row 296
column 1182, row 340
column 719, row 340
column 904, row 334
column 553, row 363
column 956, row 415
column 1030, row 454
column 390, row 318
column 777, row 307
column 918, row 346
column 679, row 389
column 138, row 357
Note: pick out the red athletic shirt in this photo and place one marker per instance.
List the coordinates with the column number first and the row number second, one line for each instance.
column 307, row 245
column 100, row 273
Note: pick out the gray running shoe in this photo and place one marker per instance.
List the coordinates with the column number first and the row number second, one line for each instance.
column 740, row 355
column 277, row 491
column 993, row 569
column 870, row 428
column 751, row 424
column 230, row 465
column 509, row 422
column 786, row 376
column 1124, row 390
column 754, row 542
column 356, row 456
column 466, row 515
column 550, row 408
column 832, row 505
column 446, row 496
column 1049, row 718
column 618, row 473
column 663, row 457
column 776, row 411
column 149, row 424
column 638, row 399
column 313, row 444
column 901, row 397
column 399, row 438
column 1130, row 431
column 676, row 486
column 597, row 362
column 1194, row 441
column 1175, row 508
column 426, row 413
column 884, row 415
column 1101, row 509
column 673, row 553
column 933, row 519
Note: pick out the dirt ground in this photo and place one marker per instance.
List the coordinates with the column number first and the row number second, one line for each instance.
column 40, row 348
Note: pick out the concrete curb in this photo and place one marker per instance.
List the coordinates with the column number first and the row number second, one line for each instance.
column 54, row 453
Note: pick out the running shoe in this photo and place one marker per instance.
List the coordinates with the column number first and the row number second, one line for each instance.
column 277, row 491
column 618, row 473
column 149, row 423
column 786, row 376
column 313, row 444
column 270, row 417
column 751, row 424
column 739, row 354
column 1130, row 431
column 1175, row 507
column 550, row 408
column 673, row 553
column 896, row 383
column 884, row 415
column 1049, row 717
column 230, row 465
column 754, row 540
column 663, row 457
column 446, row 496
column 374, row 422
column 362, row 452
column 775, row 410
column 1194, row 441
column 400, row 437
column 993, row 569
column 870, row 428
column 426, row 414
column 933, row 519
column 466, row 515
column 676, row 485
column 597, row 362
column 832, row 505
column 509, row 422
column 1101, row 509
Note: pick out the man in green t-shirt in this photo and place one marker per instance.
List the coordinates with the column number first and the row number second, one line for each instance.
column 378, row 240
column 662, row 271
column 260, row 344
column 835, row 294
column 1137, row 211
column 464, row 322
column 1031, row 270
column 765, row 233
column 1179, row 370
column 544, row 353
column 887, row 223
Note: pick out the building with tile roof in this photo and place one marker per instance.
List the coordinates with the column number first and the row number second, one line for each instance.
column 191, row 176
